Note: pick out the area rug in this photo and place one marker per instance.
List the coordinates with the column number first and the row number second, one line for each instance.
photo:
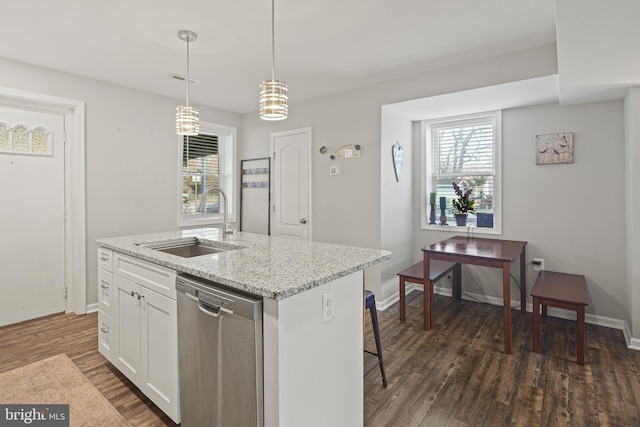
column 57, row 380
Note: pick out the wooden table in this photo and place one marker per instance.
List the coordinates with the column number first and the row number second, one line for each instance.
column 487, row 253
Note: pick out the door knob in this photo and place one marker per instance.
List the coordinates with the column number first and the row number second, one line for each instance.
column 303, row 221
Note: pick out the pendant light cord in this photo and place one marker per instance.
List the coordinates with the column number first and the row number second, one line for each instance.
column 188, row 36
column 273, row 40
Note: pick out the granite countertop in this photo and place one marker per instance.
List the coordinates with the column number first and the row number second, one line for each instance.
column 269, row 266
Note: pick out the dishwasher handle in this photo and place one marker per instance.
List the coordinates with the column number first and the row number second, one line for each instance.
column 209, row 309
column 205, row 308
column 212, row 294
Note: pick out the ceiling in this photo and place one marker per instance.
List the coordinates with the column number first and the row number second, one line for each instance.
column 322, row 46
column 597, row 49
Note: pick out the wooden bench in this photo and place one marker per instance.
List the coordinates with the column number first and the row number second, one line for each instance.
column 568, row 291
column 437, row 270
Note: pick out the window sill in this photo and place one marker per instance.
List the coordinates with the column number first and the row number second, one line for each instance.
column 469, row 229
column 199, row 221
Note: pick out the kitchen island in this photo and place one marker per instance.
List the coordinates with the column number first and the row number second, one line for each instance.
column 312, row 368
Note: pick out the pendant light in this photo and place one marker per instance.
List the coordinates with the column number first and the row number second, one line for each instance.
column 273, row 93
column 187, row 117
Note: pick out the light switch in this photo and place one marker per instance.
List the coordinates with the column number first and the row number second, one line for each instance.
column 334, row 170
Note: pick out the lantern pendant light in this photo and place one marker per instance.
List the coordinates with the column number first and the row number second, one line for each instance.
column 187, row 117
column 273, row 93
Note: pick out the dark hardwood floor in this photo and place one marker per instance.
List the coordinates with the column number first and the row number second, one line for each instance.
column 455, row 375
column 458, row 375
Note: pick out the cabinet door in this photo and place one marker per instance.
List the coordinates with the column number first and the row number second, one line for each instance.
column 105, row 336
column 105, row 292
column 159, row 349
column 105, row 258
column 127, row 327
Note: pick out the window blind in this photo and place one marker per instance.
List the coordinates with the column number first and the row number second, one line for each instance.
column 203, row 147
column 463, row 151
column 467, row 150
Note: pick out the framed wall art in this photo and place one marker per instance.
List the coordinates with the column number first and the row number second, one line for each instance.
column 554, row 148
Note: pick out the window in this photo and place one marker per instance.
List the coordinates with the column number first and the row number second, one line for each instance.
column 207, row 159
column 464, row 150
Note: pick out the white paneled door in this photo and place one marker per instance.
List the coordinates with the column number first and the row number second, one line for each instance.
column 290, row 210
column 32, row 249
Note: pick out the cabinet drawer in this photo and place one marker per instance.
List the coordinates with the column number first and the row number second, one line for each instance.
column 106, row 338
column 105, row 258
column 105, row 291
column 147, row 274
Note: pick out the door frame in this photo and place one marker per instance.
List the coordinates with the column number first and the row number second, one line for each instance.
column 272, row 137
column 74, row 185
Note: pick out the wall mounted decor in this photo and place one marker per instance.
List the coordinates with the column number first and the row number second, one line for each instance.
column 352, row 151
column 22, row 140
column 397, row 154
column 255, row 196
column 554, row 148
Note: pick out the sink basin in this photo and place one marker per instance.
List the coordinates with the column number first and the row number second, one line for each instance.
column 186, row 248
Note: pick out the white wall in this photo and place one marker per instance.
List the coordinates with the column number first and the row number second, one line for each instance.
column 130, row 147
column 347, row 208
column 396, row 213
column 130, row 159
column 632, row 206
column 570, row 215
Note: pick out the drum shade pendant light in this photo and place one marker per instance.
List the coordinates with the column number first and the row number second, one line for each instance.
column 187, row 116
column 273, row 93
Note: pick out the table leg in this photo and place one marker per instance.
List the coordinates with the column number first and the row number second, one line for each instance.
column 457, row 282
column 426, row 304
column 402, row 302
column 536, row 324
column 506, row 301
column 581, row 334
column 523, row 282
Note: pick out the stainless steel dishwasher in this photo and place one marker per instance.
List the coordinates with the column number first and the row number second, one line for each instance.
column 219, row 355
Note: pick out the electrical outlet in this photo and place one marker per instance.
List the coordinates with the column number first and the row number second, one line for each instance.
column 334, row 171
column 328, row 306
column 540, row 266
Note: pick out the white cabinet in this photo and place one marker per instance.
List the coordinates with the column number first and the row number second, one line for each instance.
column 105, row 302
column 159, row 368
column 105, row 291
column 105, row 335
column 105, row 259
column 127, row 328
column 143, row 334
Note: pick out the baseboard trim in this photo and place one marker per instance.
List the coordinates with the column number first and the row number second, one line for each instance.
column 607, row 322
column 92, row 308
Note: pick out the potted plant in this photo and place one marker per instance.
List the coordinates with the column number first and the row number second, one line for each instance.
column 463, row 204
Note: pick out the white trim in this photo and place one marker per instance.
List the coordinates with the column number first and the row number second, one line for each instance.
column 92, row 308
column 272, row 137
column 75, row 238
column 633, row 343
column 607, row 322
column 496, row 116
column 229, row 136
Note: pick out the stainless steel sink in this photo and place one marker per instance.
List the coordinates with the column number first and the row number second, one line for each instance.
column 187, row 248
